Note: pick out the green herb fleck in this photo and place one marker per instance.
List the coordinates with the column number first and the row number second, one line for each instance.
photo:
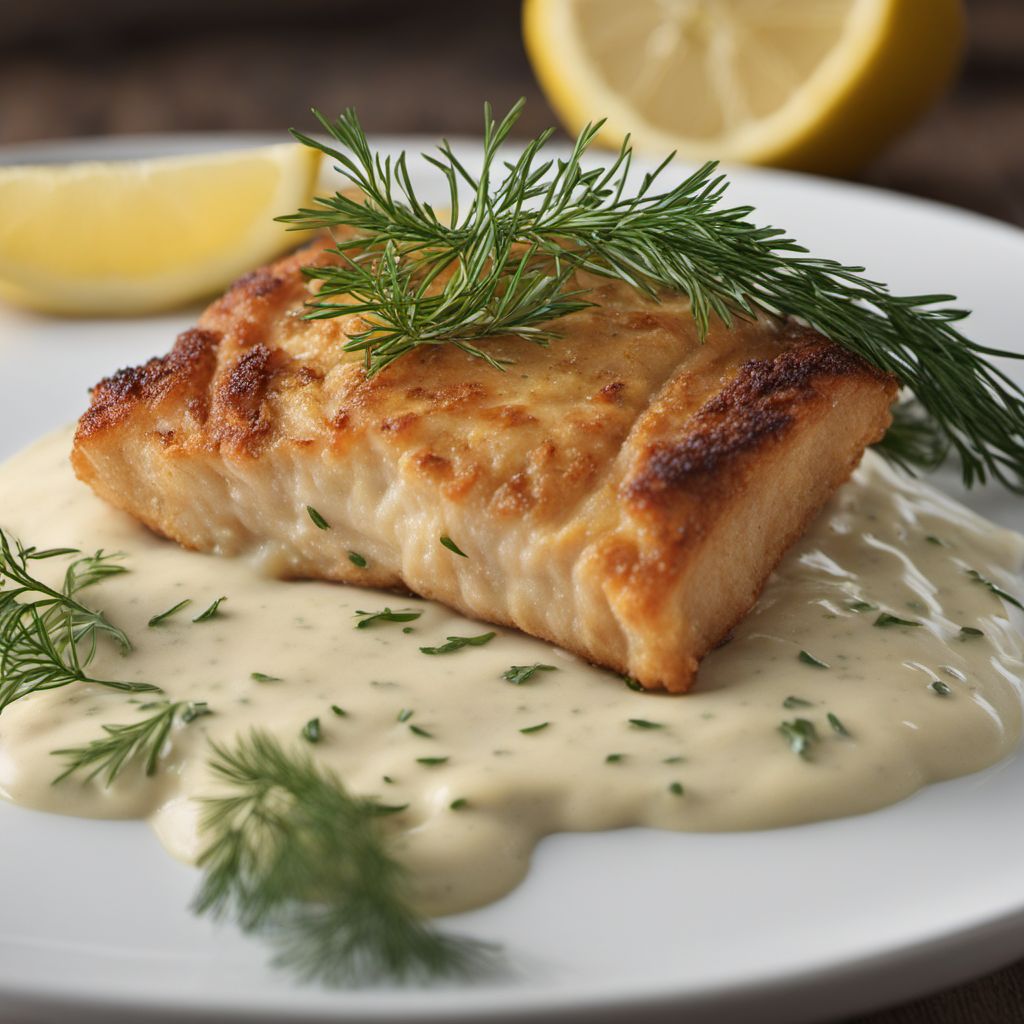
column 535, row 728
column 676, row 789
column 460, row 804
column 796, row 702
column 452, row 546
column 318, row 520
column 676, row 759
column 809, row 659
column 195, row 709
column 431, row 762
column 998, row 591
column 311, row 730
column 800, row 734
column 614, row 758
column 405, row 714
column 262, row 677
column 939, row 688
column 387, row 778
column 211, row 611
column 382, row 809
column 861, row 606
column 367, row 619
column 159, row 620
column 357, row 560
column 340, row 712
column 519, row 674
column 643, row 723
column 456, row 643
column 932, row 539
column 418, row 731
column 885, row 620
column 969, row 631
column 632, row 684
column 837, row 725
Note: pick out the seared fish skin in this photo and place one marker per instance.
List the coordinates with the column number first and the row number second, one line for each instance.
column 623, row 494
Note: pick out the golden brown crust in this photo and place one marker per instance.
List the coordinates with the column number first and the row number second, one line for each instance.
column 630, row 469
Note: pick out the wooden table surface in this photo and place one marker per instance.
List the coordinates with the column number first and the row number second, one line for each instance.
column 68, row 68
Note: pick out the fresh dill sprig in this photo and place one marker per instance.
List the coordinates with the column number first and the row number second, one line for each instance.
column 501, row 263
column 294, row 857
column 491, row 291
column 143, row 742
column 47, row 637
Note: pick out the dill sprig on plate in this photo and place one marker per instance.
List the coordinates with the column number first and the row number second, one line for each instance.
column 502, row 263
column 48, row 638
column 142, row 742
column 294, row 857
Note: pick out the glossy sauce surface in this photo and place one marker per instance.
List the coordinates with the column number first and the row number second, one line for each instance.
column 488, row 767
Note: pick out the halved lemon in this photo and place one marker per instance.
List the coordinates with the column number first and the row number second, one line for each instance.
column 817, row 85
column 132, row 237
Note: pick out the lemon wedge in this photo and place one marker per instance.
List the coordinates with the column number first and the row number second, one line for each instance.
column 816, row 85
column 133, row 237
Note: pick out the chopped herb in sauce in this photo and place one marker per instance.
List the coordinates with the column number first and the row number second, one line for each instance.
column 614, row 758
column 885, row 620
column 632, row 684
column 318, row 520
column 417, row 730
column 970, row 631
column 159, row 620
column 676, row 759
column 195, row 709
column 998, row 591
column 676, row 789
column 519, row 674
column 405, row 714
column 643, row 723
column 800, row 734
column 460, row 804
column 211, row 611
column 357, row 560
column 448, row 543
column 809, row 659
column 367, row 619
column 932, row 539
column 311, row 730
column 340, row 712
column 432, row 762
column 939, row 688
column 456, row 643
column 796, row 702
column 535, row 728
column 382, row 809
column 837, row 725
column 262, row 677
column 861, row 606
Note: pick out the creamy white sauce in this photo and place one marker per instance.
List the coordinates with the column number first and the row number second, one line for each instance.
column 721, row 744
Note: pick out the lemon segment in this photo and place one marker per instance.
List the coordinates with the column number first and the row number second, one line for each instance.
column 815, row 85
column 132, row 237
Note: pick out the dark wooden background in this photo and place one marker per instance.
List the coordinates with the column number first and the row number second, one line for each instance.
column 88, row 67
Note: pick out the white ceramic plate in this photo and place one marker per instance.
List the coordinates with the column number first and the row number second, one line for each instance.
column 792, row 925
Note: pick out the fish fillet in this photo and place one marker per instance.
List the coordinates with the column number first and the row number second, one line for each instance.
column 623, row 494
